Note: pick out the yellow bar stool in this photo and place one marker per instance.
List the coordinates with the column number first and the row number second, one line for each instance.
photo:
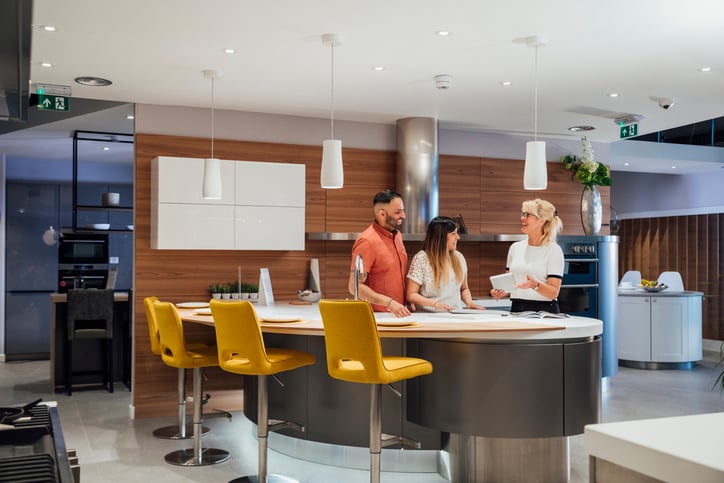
column 175, row 431
column 354, row 354
column 242, row 351
column 176, row 353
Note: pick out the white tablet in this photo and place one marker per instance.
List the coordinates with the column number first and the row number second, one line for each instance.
column 504, row 281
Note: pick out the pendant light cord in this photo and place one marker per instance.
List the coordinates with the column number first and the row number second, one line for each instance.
column 535, row 98
column 212, row 118
column 331, row 100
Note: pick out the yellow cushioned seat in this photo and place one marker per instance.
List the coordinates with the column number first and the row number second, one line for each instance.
column 354, row 354
column 241, row 350
column 176, row 353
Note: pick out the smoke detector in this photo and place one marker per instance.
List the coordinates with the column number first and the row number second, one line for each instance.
column 443, row 81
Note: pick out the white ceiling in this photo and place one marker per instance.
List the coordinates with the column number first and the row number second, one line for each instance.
column 154, row 52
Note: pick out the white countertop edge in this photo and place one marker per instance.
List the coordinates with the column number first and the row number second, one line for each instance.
column 682, row 448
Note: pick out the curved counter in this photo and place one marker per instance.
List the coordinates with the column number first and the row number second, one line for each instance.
column 498, row 382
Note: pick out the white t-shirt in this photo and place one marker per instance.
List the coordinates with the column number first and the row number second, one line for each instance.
column 448, row 293
column 538, row 262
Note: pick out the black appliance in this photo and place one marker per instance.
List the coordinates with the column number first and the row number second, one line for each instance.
column 32, row 447
column 82, row 261
column 579, row 288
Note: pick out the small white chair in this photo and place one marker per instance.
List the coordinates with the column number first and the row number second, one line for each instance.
column 633, row 276
column 672, row 280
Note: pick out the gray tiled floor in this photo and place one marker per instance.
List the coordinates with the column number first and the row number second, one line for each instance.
column 113, row 448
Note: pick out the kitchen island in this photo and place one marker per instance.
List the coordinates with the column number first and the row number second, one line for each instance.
column 681, row 448
column 511, row 386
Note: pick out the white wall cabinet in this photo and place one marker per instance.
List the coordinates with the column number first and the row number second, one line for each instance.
column 657, row 328
column 262, row 206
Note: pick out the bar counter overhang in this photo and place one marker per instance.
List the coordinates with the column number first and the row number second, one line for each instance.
column 505, row 393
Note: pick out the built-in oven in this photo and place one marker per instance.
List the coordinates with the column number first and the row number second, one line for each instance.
column 82, row 261
column 579, row 288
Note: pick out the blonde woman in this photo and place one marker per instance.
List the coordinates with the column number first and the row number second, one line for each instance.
column 438, row 275
column 536, row 262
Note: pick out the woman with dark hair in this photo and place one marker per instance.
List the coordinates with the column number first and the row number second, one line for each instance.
column 438, row 275
column 536, row 262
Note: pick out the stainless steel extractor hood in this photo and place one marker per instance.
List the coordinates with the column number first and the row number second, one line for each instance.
column 417, row 171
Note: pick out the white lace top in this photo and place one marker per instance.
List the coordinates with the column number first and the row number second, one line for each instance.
column 448, row 293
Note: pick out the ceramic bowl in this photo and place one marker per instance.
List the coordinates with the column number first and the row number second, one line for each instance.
column 309, row 296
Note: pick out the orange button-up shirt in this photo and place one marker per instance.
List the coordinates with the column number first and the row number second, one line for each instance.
column 385, row 262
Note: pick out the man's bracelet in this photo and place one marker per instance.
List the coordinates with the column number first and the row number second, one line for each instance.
column 390, row 302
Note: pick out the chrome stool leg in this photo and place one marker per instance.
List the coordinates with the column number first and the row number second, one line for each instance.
column 178, row 431
column 263, row 432
column 197, row 456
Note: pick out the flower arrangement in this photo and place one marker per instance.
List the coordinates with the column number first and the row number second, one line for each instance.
column 586, row 170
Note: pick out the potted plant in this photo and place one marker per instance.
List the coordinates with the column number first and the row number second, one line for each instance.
column 215, row 290
column 225, row 291
column 590, row 174
column 254, row 292
column 244, row 291
column 235, row 288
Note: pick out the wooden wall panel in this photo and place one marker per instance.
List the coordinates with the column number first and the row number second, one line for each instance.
column 690, row 245
column 486, row 191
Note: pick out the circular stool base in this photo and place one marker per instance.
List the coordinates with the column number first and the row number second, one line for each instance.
column 186, row 457
column 173, row 432
column 269, row 479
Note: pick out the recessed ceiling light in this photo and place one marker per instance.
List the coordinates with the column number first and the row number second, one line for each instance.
column 93, row 81
column 613, row 94
column 443, row 33
column 506, row 83
column 46, row 64
column 378, row 68
column 229, row 51
column 673, row 167
column 106, row 148
column 130, row 116
column 48, row 28
column 705, row 69
column 581, row 128
column 626, row 164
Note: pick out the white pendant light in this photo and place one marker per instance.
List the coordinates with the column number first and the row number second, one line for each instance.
column 535, row 174
column 212, row 166
column 332, row 176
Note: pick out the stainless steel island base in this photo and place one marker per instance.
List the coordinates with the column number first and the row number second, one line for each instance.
column 506, row 460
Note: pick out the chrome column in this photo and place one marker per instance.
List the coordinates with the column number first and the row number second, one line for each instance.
column 417, row 166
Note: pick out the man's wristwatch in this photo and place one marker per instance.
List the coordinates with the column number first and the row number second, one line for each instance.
column 537, row 286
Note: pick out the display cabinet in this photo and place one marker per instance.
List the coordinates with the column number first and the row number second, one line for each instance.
column 102, row 164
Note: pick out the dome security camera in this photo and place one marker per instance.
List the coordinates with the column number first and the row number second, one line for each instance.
column 665, row 103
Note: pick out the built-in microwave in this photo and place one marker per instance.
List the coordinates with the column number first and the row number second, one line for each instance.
column 83, row 249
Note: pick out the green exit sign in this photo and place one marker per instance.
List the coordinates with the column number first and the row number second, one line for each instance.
column 628, row 131
column 52, row 103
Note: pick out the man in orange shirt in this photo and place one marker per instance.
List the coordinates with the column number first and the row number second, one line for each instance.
column 384, row 257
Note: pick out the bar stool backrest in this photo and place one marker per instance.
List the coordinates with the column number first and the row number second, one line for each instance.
column 90, row 314
column 153, row 334
column 354, row 352
column 239, row 339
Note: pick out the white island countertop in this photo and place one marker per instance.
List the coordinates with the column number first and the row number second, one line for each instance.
column 681, row 448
